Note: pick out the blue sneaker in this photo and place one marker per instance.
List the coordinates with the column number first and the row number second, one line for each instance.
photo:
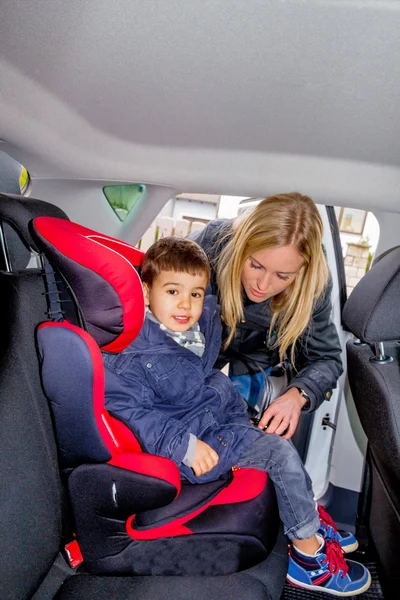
column 327, row 571
column 328, row 530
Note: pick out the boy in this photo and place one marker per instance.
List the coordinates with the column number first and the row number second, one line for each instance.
column 164, row 387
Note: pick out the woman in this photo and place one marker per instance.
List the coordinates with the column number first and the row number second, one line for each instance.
column 270, row 275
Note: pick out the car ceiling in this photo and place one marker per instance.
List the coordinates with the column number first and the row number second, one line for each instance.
column 246, row 97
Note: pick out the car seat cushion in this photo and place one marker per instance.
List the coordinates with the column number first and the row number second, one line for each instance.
column 73, row 381
column 102, row 273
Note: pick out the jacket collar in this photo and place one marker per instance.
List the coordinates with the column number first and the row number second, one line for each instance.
column 152, row 339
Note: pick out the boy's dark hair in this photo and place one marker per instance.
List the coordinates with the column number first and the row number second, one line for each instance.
column 174, row 254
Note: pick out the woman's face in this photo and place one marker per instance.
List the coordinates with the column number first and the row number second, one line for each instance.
column 267, row 273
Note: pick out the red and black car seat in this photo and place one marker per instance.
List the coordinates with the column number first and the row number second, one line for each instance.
column 132, row 513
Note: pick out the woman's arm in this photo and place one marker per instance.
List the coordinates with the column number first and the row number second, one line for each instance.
column 319, row 363
column 320, row 366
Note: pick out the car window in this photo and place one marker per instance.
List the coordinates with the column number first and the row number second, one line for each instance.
column 122, row 198
column 359, row 235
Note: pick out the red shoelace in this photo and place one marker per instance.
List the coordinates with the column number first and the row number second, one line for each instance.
column 326, row 518
column 334, row 558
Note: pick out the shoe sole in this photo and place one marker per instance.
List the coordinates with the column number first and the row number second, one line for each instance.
column 350, row 548
column 320, row 588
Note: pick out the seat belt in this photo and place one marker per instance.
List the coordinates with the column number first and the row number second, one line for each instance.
column 54, row 310
column 63, row 567
column 59, row 572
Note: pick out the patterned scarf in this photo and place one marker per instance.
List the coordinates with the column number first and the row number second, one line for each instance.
column 192, row 339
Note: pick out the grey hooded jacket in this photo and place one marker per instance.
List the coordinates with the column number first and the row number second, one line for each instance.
column 318, row 363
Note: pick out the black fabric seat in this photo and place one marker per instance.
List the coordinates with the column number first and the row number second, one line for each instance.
column 30, row 490
column 32, row 500
column 247, row 585
column 372, row 314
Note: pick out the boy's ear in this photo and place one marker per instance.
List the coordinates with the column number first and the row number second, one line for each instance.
column 146, row 293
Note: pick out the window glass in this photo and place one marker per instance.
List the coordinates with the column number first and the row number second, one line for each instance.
column 351, row 220
column 359, row 235
column 181, row 215
column 122, row 198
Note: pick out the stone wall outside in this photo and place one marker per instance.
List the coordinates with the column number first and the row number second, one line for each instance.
column 355, row 264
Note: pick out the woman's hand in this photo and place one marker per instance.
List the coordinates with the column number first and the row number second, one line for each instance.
column 283, row 414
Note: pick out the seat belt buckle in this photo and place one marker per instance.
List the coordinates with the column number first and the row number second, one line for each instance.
column 74, row 554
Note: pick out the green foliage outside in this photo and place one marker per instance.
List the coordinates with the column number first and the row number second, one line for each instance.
column 369, row 262
column 122, row 198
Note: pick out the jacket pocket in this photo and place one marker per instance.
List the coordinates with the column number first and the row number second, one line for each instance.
column 201, row 422
column 173, row 378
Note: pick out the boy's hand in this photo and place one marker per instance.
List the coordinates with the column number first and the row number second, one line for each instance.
column 205, row 458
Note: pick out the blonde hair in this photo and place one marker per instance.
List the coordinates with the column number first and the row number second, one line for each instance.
column 281, row 220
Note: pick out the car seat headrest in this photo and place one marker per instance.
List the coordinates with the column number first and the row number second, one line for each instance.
column 372, row 312
column 100, row 271
column 18, row 211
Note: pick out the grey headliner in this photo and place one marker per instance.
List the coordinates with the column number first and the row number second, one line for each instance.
column 241, row 96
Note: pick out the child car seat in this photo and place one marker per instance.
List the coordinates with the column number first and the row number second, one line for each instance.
column 33, row 512
column 131, row 512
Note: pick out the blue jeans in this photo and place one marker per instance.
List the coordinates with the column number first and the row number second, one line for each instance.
column 292, row 483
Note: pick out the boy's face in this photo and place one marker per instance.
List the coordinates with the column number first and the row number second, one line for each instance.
column 176, row 299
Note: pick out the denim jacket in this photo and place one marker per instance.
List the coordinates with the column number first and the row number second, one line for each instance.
column 164, row 392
